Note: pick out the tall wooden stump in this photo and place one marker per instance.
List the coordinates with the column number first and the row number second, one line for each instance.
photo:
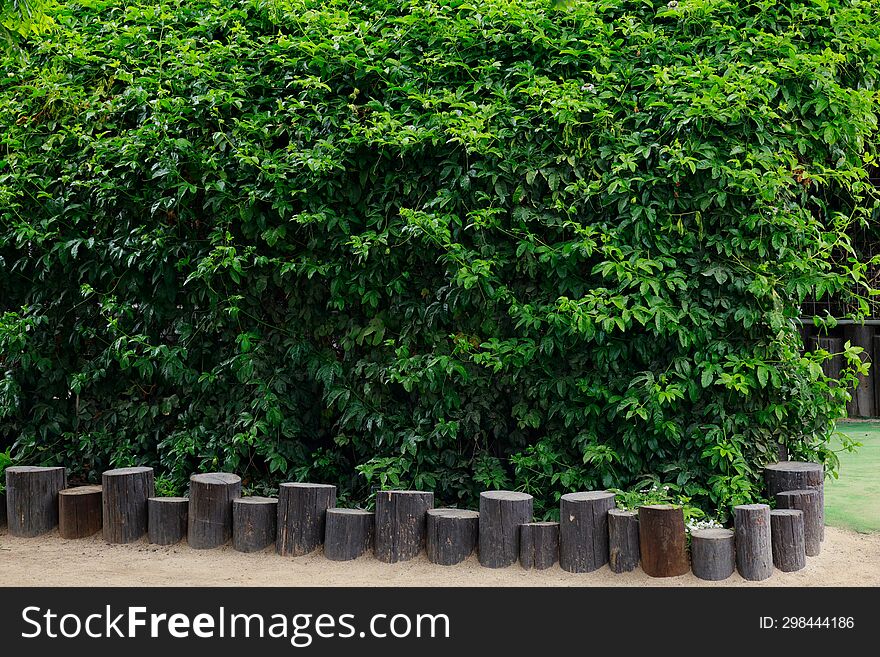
column 798, row 475
column 167, row 519
column 79, row 511
column 787, row 537
column 32, row 499
column 807, row 501
column 451, row 535
column 126, row 491
column 210, row 508
column 401, row 523
column 583, row 530
column 253, row 523
column 713, row 554
column 754, row 555
column 662, row 540
column 348, row 533
column 623, row 540
column 538, row 545
column 501, row 514
column 302, row 512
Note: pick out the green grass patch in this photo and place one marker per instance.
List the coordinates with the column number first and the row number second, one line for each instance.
column 853, row 500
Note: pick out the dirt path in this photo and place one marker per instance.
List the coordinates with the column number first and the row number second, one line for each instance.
column 847, row 559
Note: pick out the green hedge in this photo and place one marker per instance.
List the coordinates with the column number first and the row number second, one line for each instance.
column 443, row 245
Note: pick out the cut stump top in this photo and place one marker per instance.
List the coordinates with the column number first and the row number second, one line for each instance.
column 255, row 499
column 303, row 484
column 713, row 534
column 349, row 512
column 506, row 495
column 169, row 500
column 216, row 478
column 794, row 466
column 751, row 507
column 541, row 523
column 453, row 513
column 14, row 469
column 587, row 496
column 81, row 490
column 623, row 513
column 123, row 472
column 660, row 507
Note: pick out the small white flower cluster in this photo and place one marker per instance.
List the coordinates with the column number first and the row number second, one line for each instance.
column 708, row 523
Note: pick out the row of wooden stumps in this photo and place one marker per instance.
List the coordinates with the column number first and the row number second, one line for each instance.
column 591, row 532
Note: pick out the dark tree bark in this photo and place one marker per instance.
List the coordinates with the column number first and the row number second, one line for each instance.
column 501, row 514
column 80, row 511
column 538, row 545
column 451, row 535
column 401, row 524
column 798, row 475
column 125, row 503
column 583, row 530
column 623, row 540
column 210, row 508
column 713, row 554
column 807, row 501
column 348, row 533
column 787, row 537
column 253, row 523
column 754, row 556
column 32, row 499
column 167, row 519
column 662, row 540
column 302, row 512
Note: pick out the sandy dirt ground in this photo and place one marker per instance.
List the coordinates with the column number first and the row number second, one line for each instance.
column 847, row 559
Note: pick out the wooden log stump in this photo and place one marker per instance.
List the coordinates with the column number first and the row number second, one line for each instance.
column 302, row 512
column 501, row 514
column 754, row 555
column 348, row 533
column 167, row 519
column 807, row 501
column 80, row 511
column 583, row 530
column 798, row 475
column 32, row 499
column 662, row 540
column 126, row 491
column 209, row 517
column 253, row 523
column 713, row 554
column 787, row 539
column 401, row 523
column 538, row 545
column 623, row 540
column 451, row 535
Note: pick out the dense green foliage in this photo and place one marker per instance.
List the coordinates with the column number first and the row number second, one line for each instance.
column 21, row 18
column 442, row 245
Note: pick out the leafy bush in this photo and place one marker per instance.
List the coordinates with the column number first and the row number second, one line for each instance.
column 438, row 244
column 5, row 462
